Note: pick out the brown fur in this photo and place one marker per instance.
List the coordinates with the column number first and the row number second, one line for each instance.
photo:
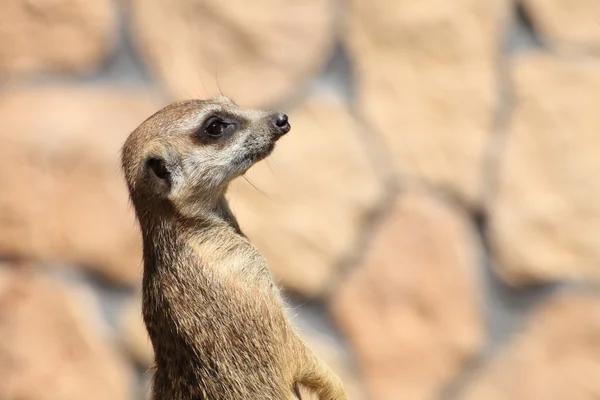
column 214, row 316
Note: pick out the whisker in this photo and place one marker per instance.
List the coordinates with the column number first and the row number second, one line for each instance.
column 255, row 187
column 240, row 84
column 237, row 193
column 272, row 160
column 202, row 84
column 269, row 165
column 217, row 79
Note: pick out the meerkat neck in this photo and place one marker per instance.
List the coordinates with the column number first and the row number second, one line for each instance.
column 215, row 213
column 223, row 212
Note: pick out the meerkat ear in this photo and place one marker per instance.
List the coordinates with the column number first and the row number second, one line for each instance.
column 160, row 173
column 158, row 167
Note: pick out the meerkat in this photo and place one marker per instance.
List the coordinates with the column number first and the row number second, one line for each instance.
column 215, row 318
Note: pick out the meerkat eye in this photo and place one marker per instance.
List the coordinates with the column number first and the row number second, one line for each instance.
column 215, row 127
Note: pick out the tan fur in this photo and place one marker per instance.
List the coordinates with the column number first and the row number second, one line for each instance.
column 214, row 316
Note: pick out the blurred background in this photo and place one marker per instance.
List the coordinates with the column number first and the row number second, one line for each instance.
column 433, row 215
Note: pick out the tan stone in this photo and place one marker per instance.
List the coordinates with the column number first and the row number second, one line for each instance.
column 566, row 23
column 134, row 333
column 55, row 35
column 50, row 346
column 557, row 356
column 411, row 310
column 62, row 194
column 313, row 194
column 257, row 53
column 545, row 215
column 426, row 81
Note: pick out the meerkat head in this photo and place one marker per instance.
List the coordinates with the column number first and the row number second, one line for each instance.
column 183, row 156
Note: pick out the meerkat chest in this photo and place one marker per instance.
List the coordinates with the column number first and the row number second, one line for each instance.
column 232, row 259
column 217, row 325
column 211, row 293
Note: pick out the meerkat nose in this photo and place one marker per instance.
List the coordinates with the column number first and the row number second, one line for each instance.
column 280, row 122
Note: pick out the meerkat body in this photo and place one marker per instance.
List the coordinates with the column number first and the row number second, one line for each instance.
column 214, row 316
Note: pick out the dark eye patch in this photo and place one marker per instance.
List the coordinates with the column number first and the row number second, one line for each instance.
column 218, row 128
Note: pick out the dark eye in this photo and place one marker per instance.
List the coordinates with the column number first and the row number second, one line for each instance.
column 215, row 127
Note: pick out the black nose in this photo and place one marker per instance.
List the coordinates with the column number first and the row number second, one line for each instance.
column 280, row 122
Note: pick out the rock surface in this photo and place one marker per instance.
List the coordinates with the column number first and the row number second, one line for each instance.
column 545, row 215
column 566, row 23
column 68, row 202
column 411, row 309
column 557, row 356
column 55, row 35
column 310, row 197
column 426, row 81
column 50, row 347
column 258, row 55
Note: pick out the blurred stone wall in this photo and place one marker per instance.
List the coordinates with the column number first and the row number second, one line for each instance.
column 433, row 215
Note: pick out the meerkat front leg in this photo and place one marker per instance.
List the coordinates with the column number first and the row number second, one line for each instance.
column 317, row 376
